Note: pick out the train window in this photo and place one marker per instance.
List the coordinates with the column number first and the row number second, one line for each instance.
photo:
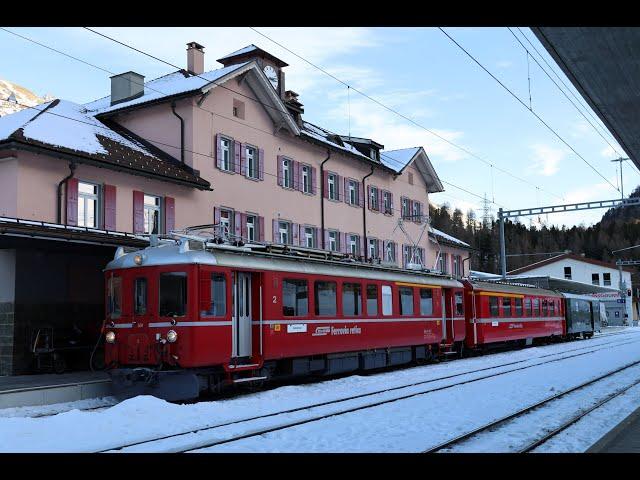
column 372, row 300
column 173, row 294
column 426, row 301
column 140, row 296
column 536, row 307
column 218, row 307
column 351, row 299
column 544, row 307
column 295, row 298
column 387, row 300
column 552, row 308
column 506, row 307
column 114, row 302
column 518, row 307
column 325, row 298
column 527, row 307
column 458, row 301
column 406, row 300
column 493, row 306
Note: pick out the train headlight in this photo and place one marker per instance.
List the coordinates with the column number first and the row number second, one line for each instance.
column 137, row 259
column 110, row 337
column 172, row 336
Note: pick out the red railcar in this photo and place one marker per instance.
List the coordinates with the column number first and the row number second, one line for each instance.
column 181, row 321
column 497, row 313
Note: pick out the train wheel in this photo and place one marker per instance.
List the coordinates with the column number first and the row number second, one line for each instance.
column 59, row 364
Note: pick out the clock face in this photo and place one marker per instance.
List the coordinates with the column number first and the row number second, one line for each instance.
column 272, row 75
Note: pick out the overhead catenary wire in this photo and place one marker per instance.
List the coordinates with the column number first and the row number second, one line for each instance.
column 405, row 117
column 474, row 59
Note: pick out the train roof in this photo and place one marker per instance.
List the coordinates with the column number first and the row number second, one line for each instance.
column 511, row 288
column 580, row 297
column 246, row 258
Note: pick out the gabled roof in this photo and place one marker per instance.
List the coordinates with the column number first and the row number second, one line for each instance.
column 448, row 239
column 398, row 160
column 250, row 51
column 567, row 256
column 62, row 127
column 361, row 141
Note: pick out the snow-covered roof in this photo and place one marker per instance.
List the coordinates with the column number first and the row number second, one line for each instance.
column 242, row 51
column 170, row 85
column 443, row 236
column 319, row 133
column 397, row 160
column 67, row 127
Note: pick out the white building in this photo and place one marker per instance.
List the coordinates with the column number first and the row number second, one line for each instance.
column 595, row 272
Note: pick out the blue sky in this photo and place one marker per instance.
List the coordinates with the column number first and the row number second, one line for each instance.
column 416, row 71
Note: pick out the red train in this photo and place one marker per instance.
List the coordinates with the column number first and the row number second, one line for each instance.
column 188, row 316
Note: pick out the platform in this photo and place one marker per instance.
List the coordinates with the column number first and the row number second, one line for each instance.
column 30, row 390
column 623, row 438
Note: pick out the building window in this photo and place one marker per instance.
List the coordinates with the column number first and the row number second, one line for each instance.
column 325, row 298
column 390, row 253
column 284, row 229
column 595, row 279
column 295, row 298
column 417, row 212
column 252, row 228
column 151, row 214
column 373, row 248
column 410, row 178
column 88, row 196
column 426, row 301
column 373, row 198
column 386, row 196
column 306, row 178
column 226, row 146
column 310, row 237
column 238, row 109
column 406, row 300
column 606, row 279
column 353, row 244
column 332, row 182
column 287, row 173
column 353, row 193
column 351, row 299
column 334, row 241
column 372, row 300
column 567, row 273
column 387, row 300
column 405, row 208
column 226, row 222
column 251, row 155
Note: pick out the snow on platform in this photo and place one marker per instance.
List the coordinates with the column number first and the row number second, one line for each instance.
column 409, row 425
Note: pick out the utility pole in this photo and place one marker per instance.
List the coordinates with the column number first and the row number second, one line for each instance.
column 620, row 160
column 503, row 249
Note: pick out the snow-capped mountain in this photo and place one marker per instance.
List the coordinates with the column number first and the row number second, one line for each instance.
column 13, row 96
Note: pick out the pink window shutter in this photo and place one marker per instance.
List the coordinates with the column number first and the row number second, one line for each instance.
column 316, row 237
column 360, row 195
column 237, row 224
column 346, row 190
column 361, row 252
column 109, row 207
column 295, row 233
column 280, row 182
column 169, row 214
column 218, row 151
column 261, row 229
column 243, row 159
column 370, row 206
column 314, row 180
column 326, row 239
column 274, row 227
column 236, row 157
column 381, row 200
column 138, row 212
column 216, row 215
column 391, row 202
column 302, row 237
column 261, row 163
column 325, row 183
column 338, row 185
column 296, row 175
column 72, row 201
column 380, row 249
column 345, row 247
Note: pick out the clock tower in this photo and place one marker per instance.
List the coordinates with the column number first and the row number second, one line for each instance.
column 271, row 66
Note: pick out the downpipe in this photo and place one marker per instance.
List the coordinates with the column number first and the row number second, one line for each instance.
column 72, row 168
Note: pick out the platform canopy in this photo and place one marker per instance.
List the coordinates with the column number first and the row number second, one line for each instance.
column 603, row 63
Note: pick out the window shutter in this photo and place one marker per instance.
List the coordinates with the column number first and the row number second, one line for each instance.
column 411, row 203
column 280, row 170
column 274, row 227
column 380, row 249
column 325, row 182
column 243, row 159
column 383, row 251
column 169, row 214
column 109, row 207
column 243, row 225
column 360, row 195
column 339, row 192
column 72, row 201
column 216, row 215
column 237, row 224
column 236, row 157
column 381, row 200
column 361, row 252
column 316, row 237
column 138, row 212
column 261, row 229
column 205, row 291
column 346, row 190
column 313, row 180
column 344, row 247
column 218, row 151
column 369, row 197
column 296, row 175
column 295, row 234
column 302, row 238
column 261, row 163
column 401, row 204
column 404, row 256
column 391, row 202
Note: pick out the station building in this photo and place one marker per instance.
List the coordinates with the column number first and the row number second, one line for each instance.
column 228, row 147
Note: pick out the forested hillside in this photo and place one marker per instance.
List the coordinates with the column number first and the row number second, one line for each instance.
column 619, row 228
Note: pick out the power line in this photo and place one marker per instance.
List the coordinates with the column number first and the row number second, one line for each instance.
column 468, row 152
column 525, row 106
column 558, row 87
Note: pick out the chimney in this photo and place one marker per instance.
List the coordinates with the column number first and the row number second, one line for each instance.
column 126, row 86
column 195, row 58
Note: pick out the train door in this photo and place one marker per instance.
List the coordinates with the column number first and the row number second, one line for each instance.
column 242, row 315
column 443, row 307
column 448, row 311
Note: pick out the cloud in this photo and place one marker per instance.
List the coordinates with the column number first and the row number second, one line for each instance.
column 545, row 159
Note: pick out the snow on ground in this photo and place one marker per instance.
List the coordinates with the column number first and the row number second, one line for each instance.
column 56, row 408
column 403, row 426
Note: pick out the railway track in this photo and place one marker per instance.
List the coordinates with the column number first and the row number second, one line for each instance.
column 262, row 424
column 497, row 426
